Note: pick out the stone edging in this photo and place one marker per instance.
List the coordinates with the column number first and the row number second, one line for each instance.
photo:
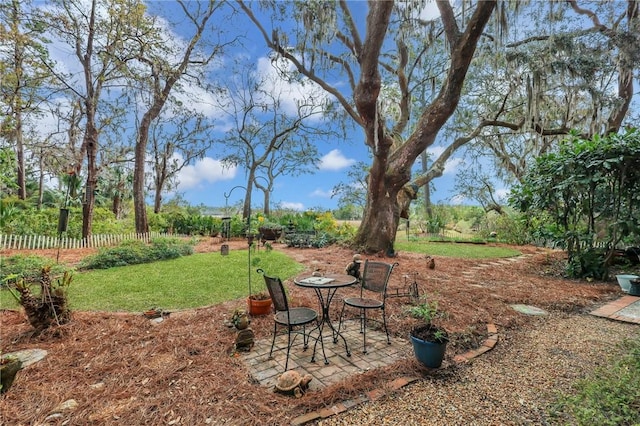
column 489, row 343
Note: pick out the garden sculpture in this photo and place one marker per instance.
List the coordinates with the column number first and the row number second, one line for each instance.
column 353, row 268
column 292, row 383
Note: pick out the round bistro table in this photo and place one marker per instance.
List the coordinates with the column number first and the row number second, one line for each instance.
column 325, row 288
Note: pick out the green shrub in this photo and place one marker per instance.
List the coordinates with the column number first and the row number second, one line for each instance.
column 345, row 232
column 45, row 222
column 510, row 228
column 588, row 264
column 610, row 397
column 170, row 248
column 134, row 252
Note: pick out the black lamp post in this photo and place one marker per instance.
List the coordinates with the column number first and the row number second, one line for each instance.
column 248, row 234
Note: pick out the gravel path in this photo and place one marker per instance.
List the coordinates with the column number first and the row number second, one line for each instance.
column 511, row 385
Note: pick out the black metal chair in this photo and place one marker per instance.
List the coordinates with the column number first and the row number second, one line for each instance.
column 373, row 295
column 294, row 320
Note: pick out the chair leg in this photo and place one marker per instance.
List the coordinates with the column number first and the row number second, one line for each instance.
column 384, row 321
column 286, row 363
column 273, row 342
column 305, row 338
column 364, row 331
column 341, row 314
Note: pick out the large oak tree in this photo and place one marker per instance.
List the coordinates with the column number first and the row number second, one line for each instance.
column 332, row 45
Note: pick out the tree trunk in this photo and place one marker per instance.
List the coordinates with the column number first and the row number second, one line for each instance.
column 41, row 181
column 427, row 191
column 391, row 170
column 91, row 142
column 157, row 201
column 379, row 225
column 22, row 181
column 377, row 232
column 115, row 206
column 16, row 99
column 246, row 208
column 267, row 201
column 140, row 207
column 161, row 175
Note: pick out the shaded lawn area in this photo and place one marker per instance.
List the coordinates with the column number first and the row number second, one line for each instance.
column 462, row 250
column 197, row 280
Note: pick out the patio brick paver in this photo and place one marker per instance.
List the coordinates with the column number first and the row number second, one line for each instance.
column 626, row 308
column 380, row 354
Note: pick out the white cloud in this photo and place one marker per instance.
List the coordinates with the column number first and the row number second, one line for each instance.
column 320, row 193
column 452, row 165
column 287, row 205
column 334, row 161
column 430, row 11
column 206, row 170
column 502, row 193
column 289, row 93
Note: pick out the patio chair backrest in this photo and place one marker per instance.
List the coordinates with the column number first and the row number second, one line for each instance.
column 277, row 293
column 376, row 276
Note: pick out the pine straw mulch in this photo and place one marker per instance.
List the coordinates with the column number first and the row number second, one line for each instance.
column 122, row 368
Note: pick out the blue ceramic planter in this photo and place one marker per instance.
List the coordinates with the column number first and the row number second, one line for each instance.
column 430, row 354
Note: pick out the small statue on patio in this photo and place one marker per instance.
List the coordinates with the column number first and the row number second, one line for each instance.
column 292, row 383
column 353, row 268
column 240, row 319
column 244, row 340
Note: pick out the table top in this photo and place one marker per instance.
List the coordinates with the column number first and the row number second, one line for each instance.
column 325, row 281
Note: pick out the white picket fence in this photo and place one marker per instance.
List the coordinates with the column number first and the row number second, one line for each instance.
column 40, row 242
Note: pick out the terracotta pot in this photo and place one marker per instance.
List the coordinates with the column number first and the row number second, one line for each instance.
column 258, row 307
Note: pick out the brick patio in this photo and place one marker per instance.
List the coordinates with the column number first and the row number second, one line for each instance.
column 379, row 354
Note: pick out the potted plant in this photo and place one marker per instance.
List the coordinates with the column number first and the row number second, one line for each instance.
column 429, row 341
column 258, row 302
column 270, row 231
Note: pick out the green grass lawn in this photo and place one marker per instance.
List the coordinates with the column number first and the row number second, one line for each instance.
column 190, row 281
column 462, row 250
column 209, row 278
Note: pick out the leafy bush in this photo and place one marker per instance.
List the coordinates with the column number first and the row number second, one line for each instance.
column 45, row 222
column 345, row 232
column 610, row 397
column 512, row 229
column 134, row 252
column 587, row 264
column 589, row 190
column 322, row 239
column 28, row 268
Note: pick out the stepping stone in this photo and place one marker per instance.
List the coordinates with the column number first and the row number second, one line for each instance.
column 529, row 310
column 28, row 356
